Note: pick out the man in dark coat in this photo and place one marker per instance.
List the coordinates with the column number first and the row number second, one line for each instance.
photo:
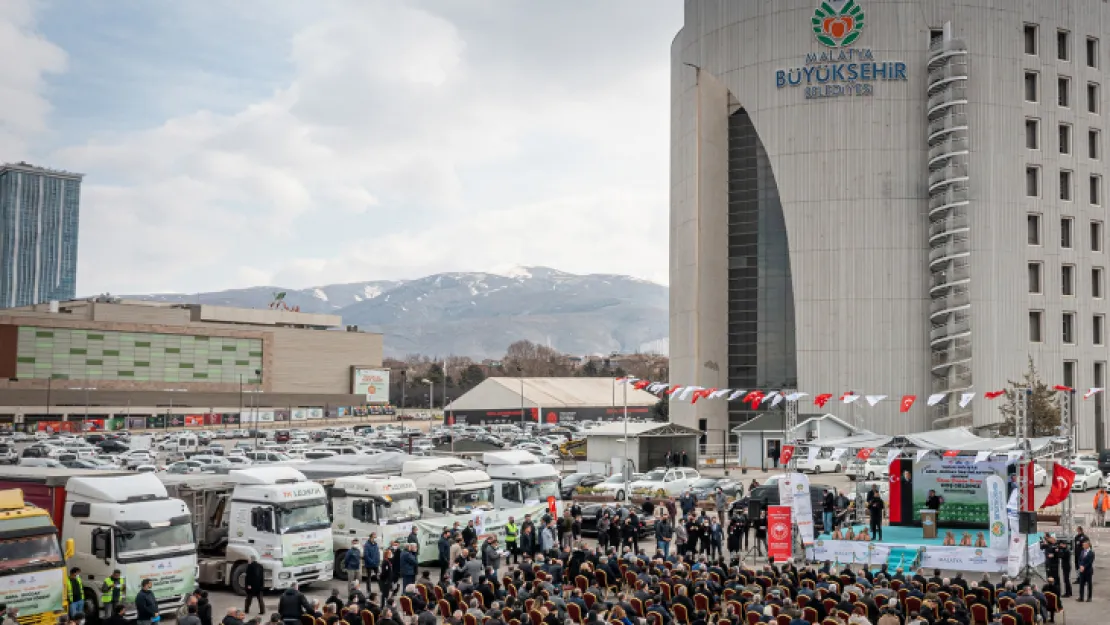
column 292, row 605
column 254, row 582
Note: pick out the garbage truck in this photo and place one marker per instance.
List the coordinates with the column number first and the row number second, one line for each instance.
column 123, row 521
column 271, row 513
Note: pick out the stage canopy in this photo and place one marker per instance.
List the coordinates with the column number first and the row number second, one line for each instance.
column 958, row 439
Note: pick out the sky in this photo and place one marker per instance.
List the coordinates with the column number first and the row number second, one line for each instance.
column 237, row 143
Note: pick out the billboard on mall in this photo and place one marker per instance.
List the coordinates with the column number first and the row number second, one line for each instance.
column 373, row 383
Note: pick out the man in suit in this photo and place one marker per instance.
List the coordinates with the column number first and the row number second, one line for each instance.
column 1086, row 570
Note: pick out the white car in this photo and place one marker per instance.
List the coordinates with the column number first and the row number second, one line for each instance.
column 870, row 470
column 614, row 485
column 238, row 461
column 135, row 457
column 671, row 481
column 186, row 466
column 819, row 465
column 1086, row 478
column 1040, row 476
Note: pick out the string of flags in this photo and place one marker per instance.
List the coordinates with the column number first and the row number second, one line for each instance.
column 771, row 398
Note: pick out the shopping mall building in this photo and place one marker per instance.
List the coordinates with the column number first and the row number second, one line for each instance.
column 889, row 197
column 118, row 362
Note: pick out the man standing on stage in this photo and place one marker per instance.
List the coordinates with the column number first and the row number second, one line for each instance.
column 875, row 506
column 933, row 501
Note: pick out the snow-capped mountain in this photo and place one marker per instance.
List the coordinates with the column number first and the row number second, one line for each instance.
column 478, row 314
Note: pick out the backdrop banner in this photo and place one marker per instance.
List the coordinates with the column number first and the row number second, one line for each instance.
column 802, row 506
column 996, row 505
column 961, row 482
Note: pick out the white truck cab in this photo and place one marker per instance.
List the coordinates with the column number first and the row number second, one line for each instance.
column 520, row 479
column 270, row 513
column 129, row 522
column 449, row 486
column 368, row 504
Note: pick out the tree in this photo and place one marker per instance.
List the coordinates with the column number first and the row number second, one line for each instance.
column 1044, row 413
column 590, row 370
column 471, row 376
column 661, row 410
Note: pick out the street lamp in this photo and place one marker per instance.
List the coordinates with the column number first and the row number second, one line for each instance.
column 431, row 393
column 85, row 424
column 169, row 411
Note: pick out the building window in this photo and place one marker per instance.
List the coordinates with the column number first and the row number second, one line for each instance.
column 1097, row 323
column 1092, row 97
column 1033, row 228
column 1067, row 328
column 1030, row 86
column 1063, row 44
column 1092, row 52
column 1069, row 373
column 1065, row 185
column 1032, row 138
column 1034, row 277
column 1031, row 39
column 1063, row 87
column 1065, row 138
column 1095, row 190
column 1096, row 282
column 1035, row 326
column 1094, row 137
column 936, row 35
column 1032, row 181
column 1065, row 232
column 1067, row 280
column 1096, row 236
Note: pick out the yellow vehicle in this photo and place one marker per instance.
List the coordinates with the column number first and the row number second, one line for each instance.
column 574, row 449
column 34, row 572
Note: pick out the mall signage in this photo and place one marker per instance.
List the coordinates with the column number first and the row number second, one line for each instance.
column 838, row 70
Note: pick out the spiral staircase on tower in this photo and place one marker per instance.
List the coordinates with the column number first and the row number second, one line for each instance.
column 949, row 230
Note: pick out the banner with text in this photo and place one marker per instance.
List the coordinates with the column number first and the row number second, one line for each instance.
column 39, row 592
column 996, row 506
column 779, row 533
column 961, row 482
column 171, row 577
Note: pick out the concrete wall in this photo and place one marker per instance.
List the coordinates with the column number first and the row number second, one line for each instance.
column 852, row 173
column 317, row 361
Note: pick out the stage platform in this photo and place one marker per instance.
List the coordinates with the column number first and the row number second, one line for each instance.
column 906, row 547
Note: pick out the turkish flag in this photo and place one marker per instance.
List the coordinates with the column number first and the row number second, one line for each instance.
column 642, row 384
column 1062, row 479
column 1062, row 388
column 822, row 399
column 907, row 401
column 951, row 453
column 994, row 394
column 786, row 454
column 865, row 453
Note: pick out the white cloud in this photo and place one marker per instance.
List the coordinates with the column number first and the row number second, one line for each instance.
column 403, row 143
column 27, row 58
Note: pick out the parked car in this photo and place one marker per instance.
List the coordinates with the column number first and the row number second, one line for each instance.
column 8, row 455
column 574, row 480
column 40, row 462
column 591, row 512
column 706, row 487
column 819, row 465
column 673, row 481
column 186, row 466
column 1086, row 478
column 614, row 485
column 113, row 446
column 768, row 495
column 869, row 470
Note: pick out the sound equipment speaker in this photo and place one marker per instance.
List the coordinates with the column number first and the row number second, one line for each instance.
column 755, row 508
column 1027, row 522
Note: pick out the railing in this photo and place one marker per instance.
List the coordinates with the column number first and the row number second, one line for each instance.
column 956, row 377
column 956, row 271
column 952, row 223
column 957, row 245
column 952, row 171
column 954, row 194
column 951, row 145
column 952, row 327
column 957, row 297
column 951, row 121
column 945, row 45
column 951, row 355
column 952, row 94
column 955, row 69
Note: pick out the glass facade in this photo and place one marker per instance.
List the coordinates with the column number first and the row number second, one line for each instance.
column 39, row 215
column 70, row 354
column 761, row 344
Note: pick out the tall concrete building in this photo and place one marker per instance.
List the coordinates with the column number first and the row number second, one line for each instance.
column 889, row 197
column 39, row 218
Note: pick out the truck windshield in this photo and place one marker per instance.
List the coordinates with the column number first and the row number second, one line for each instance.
column 467, row 500
column 541, row 488
column 32, row 551
column 310, row 517
column 129, row 541
column 399, row 510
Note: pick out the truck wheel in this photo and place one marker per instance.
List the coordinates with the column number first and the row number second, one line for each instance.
column 340, row 573
column 239, row 579
column 92, row 605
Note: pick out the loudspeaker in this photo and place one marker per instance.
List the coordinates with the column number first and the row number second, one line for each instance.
column 755, row 508
column 1027, row 522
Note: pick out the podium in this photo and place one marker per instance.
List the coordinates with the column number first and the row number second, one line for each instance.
column 928, row 523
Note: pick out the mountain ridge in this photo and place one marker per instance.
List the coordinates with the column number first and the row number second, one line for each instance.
column 478, row 314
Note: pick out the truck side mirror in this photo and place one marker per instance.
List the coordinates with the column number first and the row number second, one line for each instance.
column 101, row 543
column 69, row 548
column 420, row 501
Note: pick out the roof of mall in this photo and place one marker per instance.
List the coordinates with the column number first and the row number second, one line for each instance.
column 508, row 393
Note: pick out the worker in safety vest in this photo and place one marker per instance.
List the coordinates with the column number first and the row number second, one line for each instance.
column 75, row 592
column 113, row 592
column 511, row 531
column 1102, row 504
